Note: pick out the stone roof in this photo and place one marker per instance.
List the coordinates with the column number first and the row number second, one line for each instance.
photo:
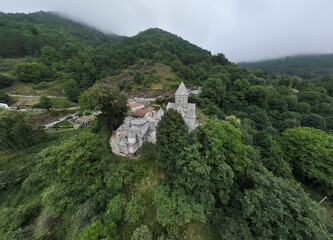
column 191, row 106
column 138, row 121
column 182, row 90
column 191, row 114
column 141, row 112
column 134, row 104
column 159, row 114
column 138, row 126
column 170, row 105
column 149, row 119
column 123, row 142
column 124, row 126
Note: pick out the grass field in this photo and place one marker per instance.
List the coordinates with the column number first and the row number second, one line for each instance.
column 164, row 82
column 64, row 124
column 9, row 65
column 44, row 88
column 21, row 101
column 29, row 101
column 44, row 117
column 62, row 103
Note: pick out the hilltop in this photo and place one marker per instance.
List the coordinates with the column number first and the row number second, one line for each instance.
column 25, row 34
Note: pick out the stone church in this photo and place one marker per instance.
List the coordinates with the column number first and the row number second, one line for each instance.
column 128, row 138
column 181, row 105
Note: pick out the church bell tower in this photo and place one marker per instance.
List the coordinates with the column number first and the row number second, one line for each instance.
column 181, row 95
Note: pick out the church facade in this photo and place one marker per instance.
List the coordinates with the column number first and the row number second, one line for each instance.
column 129, row 137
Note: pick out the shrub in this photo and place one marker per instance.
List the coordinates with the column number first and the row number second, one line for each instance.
column 135, row 209
column 116, row 207
column 142, row 233
column 5, row 81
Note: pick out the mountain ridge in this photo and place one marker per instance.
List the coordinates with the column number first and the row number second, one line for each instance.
column 307, row 66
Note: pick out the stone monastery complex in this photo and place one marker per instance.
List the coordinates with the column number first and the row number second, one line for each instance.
column 140, row 125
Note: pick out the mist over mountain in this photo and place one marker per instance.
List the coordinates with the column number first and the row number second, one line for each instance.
column 306, row 66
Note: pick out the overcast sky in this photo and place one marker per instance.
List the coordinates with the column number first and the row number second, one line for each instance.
column 243, row 30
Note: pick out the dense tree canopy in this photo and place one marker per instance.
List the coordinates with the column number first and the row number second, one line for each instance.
column 310, row 153
column 271, row 208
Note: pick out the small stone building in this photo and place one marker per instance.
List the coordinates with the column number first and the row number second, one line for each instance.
column 128, row 138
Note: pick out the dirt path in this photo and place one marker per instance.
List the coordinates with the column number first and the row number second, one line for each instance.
column 32, row 96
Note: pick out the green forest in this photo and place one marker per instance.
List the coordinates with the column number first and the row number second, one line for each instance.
column 306, row 66
column 256, row 168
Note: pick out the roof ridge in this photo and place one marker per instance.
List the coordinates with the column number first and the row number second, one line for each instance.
column 182, row 90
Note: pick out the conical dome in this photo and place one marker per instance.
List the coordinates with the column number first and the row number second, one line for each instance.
column 182, row 91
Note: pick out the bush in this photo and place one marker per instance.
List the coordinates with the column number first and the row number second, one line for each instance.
column 148, row 152
column 314, row 120
column 135, row 209
column 86, row 212
column 5, row 81
column 142, row 233
column 45, row 102
column 34, row 72
column 44, row 223
column 115, row 208
column 5, row 98
column 15, row 132
column 98, row 230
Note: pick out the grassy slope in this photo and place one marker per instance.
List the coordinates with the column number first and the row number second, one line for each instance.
column 8, row 66
column 47, row 88
column 166, row 84
column 53, row 88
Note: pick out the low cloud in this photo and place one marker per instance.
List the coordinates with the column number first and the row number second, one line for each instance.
column 243, row 30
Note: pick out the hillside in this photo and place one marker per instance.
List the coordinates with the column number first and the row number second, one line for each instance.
column 305, row 66
column 255, row 169
column 25, row 34
column 47, row 54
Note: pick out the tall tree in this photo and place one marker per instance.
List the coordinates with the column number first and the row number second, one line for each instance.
column 15, row 132
column 72, row 90
column 224, row 153
column 110, row 101
column 45, row 102
column 171, row 136
column 310, row 153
